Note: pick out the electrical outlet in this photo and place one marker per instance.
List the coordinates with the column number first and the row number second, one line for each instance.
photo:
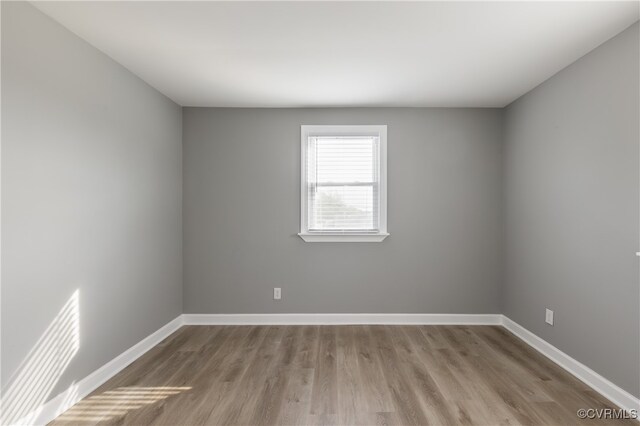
column 548, row 318
column 277, row 293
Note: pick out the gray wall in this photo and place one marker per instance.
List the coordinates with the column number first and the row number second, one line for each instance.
column 571, row 196
column 241, row 215
column 91, row 197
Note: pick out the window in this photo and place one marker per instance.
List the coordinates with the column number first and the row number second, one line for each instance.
column 343, row 196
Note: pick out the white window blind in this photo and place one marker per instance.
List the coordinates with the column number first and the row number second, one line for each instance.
column 343, row 183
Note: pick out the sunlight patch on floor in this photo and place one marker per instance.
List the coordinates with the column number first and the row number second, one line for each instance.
column 118, row 402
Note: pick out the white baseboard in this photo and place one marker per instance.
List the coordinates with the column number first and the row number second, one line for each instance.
column 59, row 404
column 328, row 319
column 609, row 390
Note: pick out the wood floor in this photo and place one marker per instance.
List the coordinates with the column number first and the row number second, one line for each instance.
column 340, row 375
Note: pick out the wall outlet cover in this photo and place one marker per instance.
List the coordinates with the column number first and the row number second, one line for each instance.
column 548, row 318
column 277, row 293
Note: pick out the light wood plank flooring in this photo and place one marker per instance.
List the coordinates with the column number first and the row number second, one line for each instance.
column 339, row 375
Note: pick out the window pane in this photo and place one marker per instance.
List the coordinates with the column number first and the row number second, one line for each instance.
column 342, row 208
column 342, row 183
column 344, row 160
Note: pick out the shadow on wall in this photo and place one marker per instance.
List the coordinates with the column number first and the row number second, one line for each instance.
column 32, row 383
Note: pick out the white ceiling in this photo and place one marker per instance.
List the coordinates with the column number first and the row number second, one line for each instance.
column 295, row 54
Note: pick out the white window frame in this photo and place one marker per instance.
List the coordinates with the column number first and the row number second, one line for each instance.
column 379, row 131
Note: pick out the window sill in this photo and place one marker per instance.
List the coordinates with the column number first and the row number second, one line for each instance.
column 343, row 238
